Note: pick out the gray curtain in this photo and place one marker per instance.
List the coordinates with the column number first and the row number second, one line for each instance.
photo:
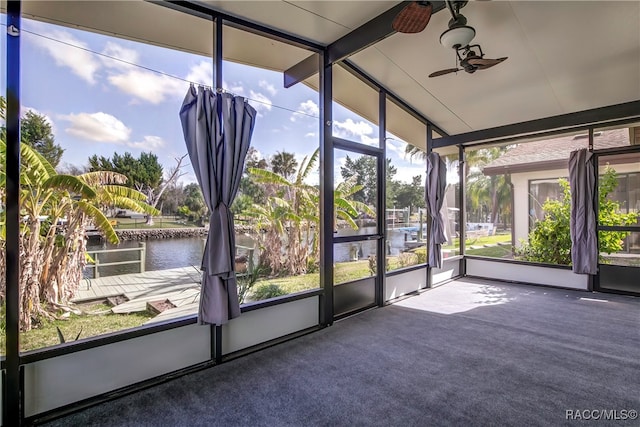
column 217, row 150
column 584, row 244
column 434, row 196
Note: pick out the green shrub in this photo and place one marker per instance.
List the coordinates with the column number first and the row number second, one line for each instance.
column 550, row 239
column 268, row 291
column 407, row 259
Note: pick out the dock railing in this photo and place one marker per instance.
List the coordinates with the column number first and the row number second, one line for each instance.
column 95, row 255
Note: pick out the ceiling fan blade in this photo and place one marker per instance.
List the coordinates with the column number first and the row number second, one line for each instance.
column 443, row 72
column 484, row 63
column 413, row 18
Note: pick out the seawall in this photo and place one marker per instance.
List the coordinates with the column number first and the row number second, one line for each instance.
column 161, row 233
column 170, row 233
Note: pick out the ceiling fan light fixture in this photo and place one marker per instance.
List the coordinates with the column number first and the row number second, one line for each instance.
column 458, row 36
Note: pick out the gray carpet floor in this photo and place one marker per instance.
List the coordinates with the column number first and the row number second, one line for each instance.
column 467, row 353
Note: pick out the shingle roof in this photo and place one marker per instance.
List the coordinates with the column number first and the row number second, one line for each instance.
column 540, row 155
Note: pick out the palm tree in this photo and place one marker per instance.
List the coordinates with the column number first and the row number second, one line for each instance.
column 493, row 191
column 293, row 203
column 413, row 151
column 290, row 219
column 483, row 192
column 284, row 163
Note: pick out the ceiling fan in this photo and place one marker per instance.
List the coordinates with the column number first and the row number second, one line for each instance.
column 414, row 18
column 471, row 59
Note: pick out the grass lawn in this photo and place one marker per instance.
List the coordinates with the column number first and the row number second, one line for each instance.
column 87, row 325
column 480, row 241
column 158, row 222
column 492, row 251
column 94, row 324
column 344, row 272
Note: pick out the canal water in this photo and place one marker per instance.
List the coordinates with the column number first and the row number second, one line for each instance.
column 161, row 254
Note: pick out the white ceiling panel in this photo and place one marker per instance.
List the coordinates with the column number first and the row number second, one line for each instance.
column 396, row 79
column 251, row 49
column 134, row 20
column 319, row 21
column 564, row 56
column 405, row 126
column 590, row 51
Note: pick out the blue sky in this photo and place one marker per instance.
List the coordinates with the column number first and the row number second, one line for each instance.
column 99, row 105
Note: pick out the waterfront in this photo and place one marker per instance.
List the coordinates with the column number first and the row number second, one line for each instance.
column 161, row 254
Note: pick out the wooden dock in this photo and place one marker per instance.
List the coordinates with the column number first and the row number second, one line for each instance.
column 179, row 286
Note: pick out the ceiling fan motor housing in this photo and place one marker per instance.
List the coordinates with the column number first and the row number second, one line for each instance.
column 457, row 37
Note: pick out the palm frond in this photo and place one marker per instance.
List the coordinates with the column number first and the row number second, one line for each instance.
column 346, row 217
column 37, row 169
column 305, row 170
column 103, row 178
column 134, row 205
column 364, row 208
column 69, row 183
column 414, row 151
column 100, row 221
column 342, row 205
column 122, row 191
column 267, row 177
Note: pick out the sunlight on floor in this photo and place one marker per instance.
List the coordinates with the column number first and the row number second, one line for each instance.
column 457, row 297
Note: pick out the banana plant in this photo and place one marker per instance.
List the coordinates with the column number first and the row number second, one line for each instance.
column 291, row 218
column 55, row 212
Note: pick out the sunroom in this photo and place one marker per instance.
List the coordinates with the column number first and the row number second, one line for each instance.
column 421, row 157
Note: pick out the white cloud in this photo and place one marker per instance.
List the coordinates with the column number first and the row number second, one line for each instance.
column 81, row 62
column 396, row 146
column 201, row 73
column 310, row 135
column 349, row 129
column 103, row 127
column 148, row 86
column 149, row 142
column 308, row 107
column 236, row 88
column 260, row 102
column 120, row 53
column 100, row 127
column 268, row 87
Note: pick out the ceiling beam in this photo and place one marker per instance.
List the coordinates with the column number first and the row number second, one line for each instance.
column 373, row 83
column 302, row 70
column 584, row 118
column 362, row 37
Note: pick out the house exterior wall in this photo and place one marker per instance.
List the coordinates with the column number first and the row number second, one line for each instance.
column 521, row 194
column 521, row 199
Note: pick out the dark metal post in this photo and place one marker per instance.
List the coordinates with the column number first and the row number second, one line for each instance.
column 428, row 149
column 462, row 214
column 594, row 280
column 381, row 200
column 216, row 330
column 217, row 52
column 326, row 190
column 12, row 390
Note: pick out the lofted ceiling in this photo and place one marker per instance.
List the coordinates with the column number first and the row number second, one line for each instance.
column 564, row 56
